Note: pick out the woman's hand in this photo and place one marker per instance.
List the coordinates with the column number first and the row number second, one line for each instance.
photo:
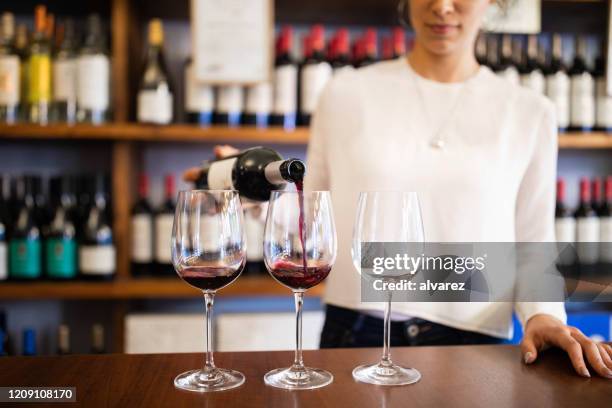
column 191, row 175
column 543, row 331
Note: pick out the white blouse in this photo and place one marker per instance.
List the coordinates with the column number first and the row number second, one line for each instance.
column 493, row 181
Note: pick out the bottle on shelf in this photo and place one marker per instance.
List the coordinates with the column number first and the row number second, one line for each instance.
column 164, row 218
column 386, row 51
column 506, row 67
column 229, row 105
column 142, row 231
column 9, row 71
column 315, row 73
column 25, row 249
column 93, row 62
column 493, row 53
column 199, row 98
column 4, row 227
column 603, row 101
column 97, row 249
column 532, row 76
column 582, row 90
column 605, row 226
column 97, row 339
column 596, row 200
column 155, row 96
column 398, row 38
column 63, row 340
column 558, row 83
column 565, row 224
column 39, row 70
column 60, row 237
column 342, row 54
column 259, row 101
column 21, row 47
column 253, row 172
column 5, row 349
column 284, row 111
column 587, row 228
column 481, row 49
column 28, row 342
column 65, row 74
column 370, row 48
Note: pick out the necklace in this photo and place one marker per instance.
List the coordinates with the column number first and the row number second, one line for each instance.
column 438, row 141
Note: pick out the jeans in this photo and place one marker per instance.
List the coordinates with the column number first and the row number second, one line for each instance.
column 348, row 328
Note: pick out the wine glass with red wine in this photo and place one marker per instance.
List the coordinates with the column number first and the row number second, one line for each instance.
column 209, row 253
column 299, row 251
column 391, row 217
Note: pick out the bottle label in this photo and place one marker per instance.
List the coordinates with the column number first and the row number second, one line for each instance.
column 142, row 238
column 230, row 99
column 565, row 230
column 39, row 79
column 259, row 99
column 583, row 101
column 3, row 262
column 587, row 236
column 605, row 252
column 61, row 255
column 603, row 117
column 9, row 80
column 155, row 106
column 97, row 260
column 285, row 90
column 511, row 74
column 220, row 174
column 314, row 79
column 534, row 80
column 93, row 82
column 65, row 80
column 558, row 91
column 163, row 238
column 24, row 258
column 199, row 97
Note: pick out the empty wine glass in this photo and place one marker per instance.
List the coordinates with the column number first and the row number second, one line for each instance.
column 209, row 253
column 299, row 251
column 386, row 216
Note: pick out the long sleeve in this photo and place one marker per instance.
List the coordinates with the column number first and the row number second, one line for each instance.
column 535, row 207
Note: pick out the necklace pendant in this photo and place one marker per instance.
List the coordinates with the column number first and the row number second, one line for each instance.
column 438, row 144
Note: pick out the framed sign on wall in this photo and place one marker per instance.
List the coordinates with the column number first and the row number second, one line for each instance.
column 520, row 16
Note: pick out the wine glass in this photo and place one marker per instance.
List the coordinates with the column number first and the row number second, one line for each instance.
column 209, row 253
column 386, row 216
column 299, row 251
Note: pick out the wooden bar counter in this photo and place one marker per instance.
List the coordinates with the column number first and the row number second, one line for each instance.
column 464, row 376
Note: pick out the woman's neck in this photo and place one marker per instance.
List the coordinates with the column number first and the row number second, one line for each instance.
column 443, row 68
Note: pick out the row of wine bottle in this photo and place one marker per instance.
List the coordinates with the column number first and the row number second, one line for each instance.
column 67, row 236
column 52, row 76
column 30, row 346
column 578, row 91
column 590, row 223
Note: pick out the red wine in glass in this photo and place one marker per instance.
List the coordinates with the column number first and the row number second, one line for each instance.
column 209, row 278
column 299, row 186
column 298, row 277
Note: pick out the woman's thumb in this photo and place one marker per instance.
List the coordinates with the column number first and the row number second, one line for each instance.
column 529, row 350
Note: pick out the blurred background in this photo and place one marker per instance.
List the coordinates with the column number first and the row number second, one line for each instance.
column 89, row 160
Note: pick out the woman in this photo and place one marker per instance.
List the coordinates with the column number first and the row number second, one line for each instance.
column 482, row 155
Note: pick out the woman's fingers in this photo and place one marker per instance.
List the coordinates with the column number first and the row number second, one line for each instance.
column 573, row 349
column 592, row 352
column 529, row 349
column 605, row 355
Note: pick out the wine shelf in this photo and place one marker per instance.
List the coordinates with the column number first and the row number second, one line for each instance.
column 143, row 288
column 133, row 132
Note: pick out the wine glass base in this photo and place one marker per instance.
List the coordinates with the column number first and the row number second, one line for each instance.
column 380, row 374
column 291, row 379
column 198, row 381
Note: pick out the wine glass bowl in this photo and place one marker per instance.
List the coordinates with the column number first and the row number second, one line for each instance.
column 208, row 253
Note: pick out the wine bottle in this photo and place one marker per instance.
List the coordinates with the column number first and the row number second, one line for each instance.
column 506, row 68
column 315, row 73
column 229, row 105
column 21, row 47
column 587, row 228
column 97, row 250
column 558, row 83
column 565, row 224
column 253, row 172
column 258, row 106
column 142, row 230
column 28, row 342
column 164, row 218
column 39, row 70
column 605, row 227
column 5, row 349
column 532, row 76
column 25, row 242
column 370, row 43
column 63, row 340
column 155, row 97
column 398, row 38
column 342, row 57
column 93, row 62
column 199, row 98
column 284, row 111
column 596, row 200
column 9, row 71
column 481, row 49
column 60, row 240
column 65, row 74
column 97, row 339
column 582, row 90
column 603, row 109
column 4, row 227
column 493, row 53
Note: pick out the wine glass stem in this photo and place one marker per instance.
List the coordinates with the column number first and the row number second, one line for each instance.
column 299, row 301
column 209, row 364
column 386, row 358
